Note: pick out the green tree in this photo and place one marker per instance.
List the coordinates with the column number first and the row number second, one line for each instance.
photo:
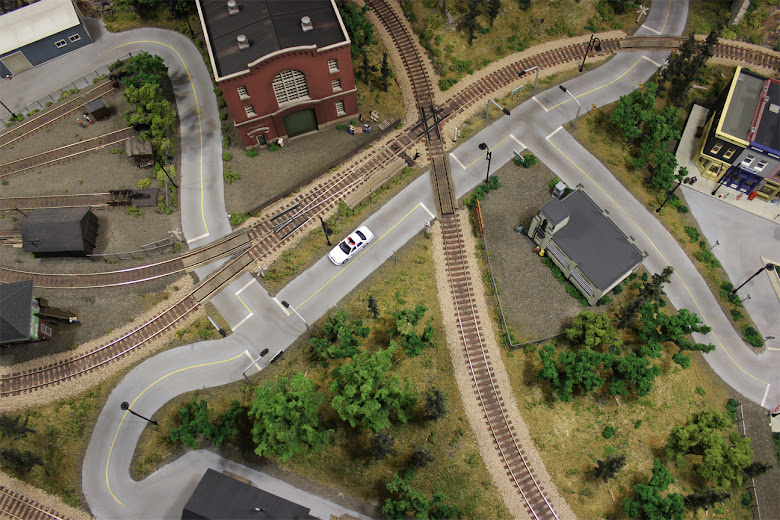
column 20, row 461
column 633, row 109
column 373, row 307
column 366, row 395
column 637, row 371
column 407, row 499
column 658, row 327
column 194, row 417
column 470, row 22
column 493, row 8
column 651, row 291
column 403, row 327
column 435, row 403
column 578, row 369
column 647, row 502
column 224, row 426
column 145, row 69
column 341, row 337
column 285, row 418
column 724, row 454
column 382, row 445
column 606, row 469
column 385, row 79
column 592, row 330
column 359, row 27
column 153, row 113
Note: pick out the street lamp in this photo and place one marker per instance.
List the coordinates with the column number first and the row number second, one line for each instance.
column 327, row 230
column 596, row 44
column 770, row 266
column 126, row 406
column 288, row 306
column 488, row 156
column 521, row 74
column 669, row 196
column 575, row 100
column 487, row 107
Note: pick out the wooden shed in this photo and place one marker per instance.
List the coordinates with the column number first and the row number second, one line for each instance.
column 60, row 231
column 141, row 152
column 97, row 110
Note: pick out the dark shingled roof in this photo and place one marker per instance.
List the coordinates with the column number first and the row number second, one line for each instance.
column 54, row 230
column 593, row 241
column 15, row 311
column 269, row 25
column 555, row 211
column 768, row 133
column 219, row 496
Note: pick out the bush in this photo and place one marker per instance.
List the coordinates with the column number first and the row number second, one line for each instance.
column 692, row 232
column 736, row 314
column 341, row 128
column 682, row 208
column 608, row 432
column 144, row 183
column 529, row 160
column 576, row 294
column 731, row 408
column 133, row 210
column 618, row 289
column 223, row 115
column 225, row 142
column 556, row 271
column 221, row 103
column 252, row 153
column 237, row 218
column 752, row 336
column 230, row 175
column 227, row 156
column 445, row 84
column 481, row 190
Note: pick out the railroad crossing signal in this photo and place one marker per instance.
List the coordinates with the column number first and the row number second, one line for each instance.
column 642, row 11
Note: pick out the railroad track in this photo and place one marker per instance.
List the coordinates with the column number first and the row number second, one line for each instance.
column 16, row 506
column 74, row 103
column 95, row 200
column 63, row 153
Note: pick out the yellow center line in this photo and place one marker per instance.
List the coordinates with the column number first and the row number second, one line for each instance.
column 361, row 254
column 668, row 11
column 200, row 125
column 111, row 449
column 701, row 314
column 472, row 163
column 597, row 88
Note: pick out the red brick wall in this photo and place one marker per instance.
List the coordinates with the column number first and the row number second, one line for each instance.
column 258, row 82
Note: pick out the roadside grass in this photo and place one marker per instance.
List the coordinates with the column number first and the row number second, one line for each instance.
column 596, row 133
column 390, row 104
column 513, row 30
column 122, row 20
column 755, row 27
column 346, row 463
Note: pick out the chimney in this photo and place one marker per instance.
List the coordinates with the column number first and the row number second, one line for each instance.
column 232, row 7
column 243, row 43
column 306, row 24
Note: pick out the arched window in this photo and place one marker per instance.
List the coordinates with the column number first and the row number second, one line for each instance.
column 290, row 86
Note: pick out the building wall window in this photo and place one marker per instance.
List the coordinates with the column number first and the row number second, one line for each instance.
column 289, row 86
column 336, row 84
column 716, row 148
column 761, row 165
column 250, row 111
column 747, row 161
column 333, row 65
column 340, row 108
column 243, row 93
column 60, row 44
column 729, row 153
column 74, row 38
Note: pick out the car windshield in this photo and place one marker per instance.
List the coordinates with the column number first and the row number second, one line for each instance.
column 344, row 247
column 360, row 234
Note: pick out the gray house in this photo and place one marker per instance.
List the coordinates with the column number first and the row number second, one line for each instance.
column 585, row 244
column 40, row 32
column 60, row 231
column 18, row 320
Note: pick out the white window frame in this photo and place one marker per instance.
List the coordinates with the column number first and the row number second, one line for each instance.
column 340, row 108
column 761, row 165
column 290, row 86
column 333, row 66
column 60, row 44
column 250, row 111
column 729, row 153
column 243, row 93
column 74, row 38
column 336, row 84
column 747, row 161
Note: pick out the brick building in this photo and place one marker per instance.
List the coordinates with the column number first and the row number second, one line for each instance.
column 284, row 67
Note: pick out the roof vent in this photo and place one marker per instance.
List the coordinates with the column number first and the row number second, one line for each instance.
column 232, row 7
column 752, row 129
column 774, row 108
column 766, row 99
column 243, row 43
column 306, row 24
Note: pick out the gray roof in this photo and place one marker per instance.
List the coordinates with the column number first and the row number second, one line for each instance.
column 15, row 311
column 769, row 127
column 34, row 22
column 555, row 211
column 269, row 25
column 602, row 252
column 54, row 230
column 742, row 107
column 219, row 496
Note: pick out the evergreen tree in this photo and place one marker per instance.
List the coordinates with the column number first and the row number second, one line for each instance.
column 755, row 469
column 704, row 498
column 373, row 307
column 422, row 457
column 385, row 72
column 647, row 502
column 10, row 426
column 382, row 445
column 651, row 291
column 606, row 469
column 470, row 22
column 435, row 403
column 407, row 499
column 494, row 7
column 21, row 461
column 366, row 69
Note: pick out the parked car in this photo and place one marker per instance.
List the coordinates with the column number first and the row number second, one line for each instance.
column 350, row 246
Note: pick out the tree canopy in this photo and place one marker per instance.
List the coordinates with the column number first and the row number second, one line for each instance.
column 145, row 69
column 285, row 418
column 403, row 328
column 153, row 113
column 195, row 422
column 648, row 503
column 408, row 499
column 341, row 337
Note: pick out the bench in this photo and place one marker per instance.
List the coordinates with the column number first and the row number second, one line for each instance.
column 394, row 168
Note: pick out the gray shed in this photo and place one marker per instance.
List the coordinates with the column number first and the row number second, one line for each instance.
column 140, row 151
column 60, row 231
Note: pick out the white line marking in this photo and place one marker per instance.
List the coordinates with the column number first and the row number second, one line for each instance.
column 204, row 235
column 650, row 29
column 773, row 348
column 250, row 282
column 651, row 61
column 429, row 211
column 554, row 132
column 242, row 321
column 252, row 361
column 517, row 141
column 766, row 393
column 281, row 306
column 540, row 104
column 458, row 161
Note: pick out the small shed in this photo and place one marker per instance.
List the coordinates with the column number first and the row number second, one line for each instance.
column 141, row 152
column 96, row 109
column 60, row 231
column 18, row 320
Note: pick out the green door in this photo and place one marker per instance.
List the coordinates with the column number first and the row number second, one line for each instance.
column 300, row 122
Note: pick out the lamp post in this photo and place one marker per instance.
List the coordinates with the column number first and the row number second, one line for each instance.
column 126, row 406
column 575, row 100
column 327, row 230
column 488, row 156
column 521, row 74
column 669, row 196
column 288, row 306
column 769, row 266
column 596, row 44
column 487, row 107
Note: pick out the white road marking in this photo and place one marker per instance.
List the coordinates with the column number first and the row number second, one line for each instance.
column 281, row 306
column 651, row 29
column 554, row 132
column 773, row 348
column 243, row 320
column 766, row 393
column 518, row 141
column 540, row 104
column 458, row 161
column 204, row 235
column 250, row 282
column 651, row 61
column 252, row 361
column 426, row 209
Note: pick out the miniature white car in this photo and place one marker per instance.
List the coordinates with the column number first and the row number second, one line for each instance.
column 349, row 247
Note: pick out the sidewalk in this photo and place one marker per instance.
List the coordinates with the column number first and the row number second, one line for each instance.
column 685, row 150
